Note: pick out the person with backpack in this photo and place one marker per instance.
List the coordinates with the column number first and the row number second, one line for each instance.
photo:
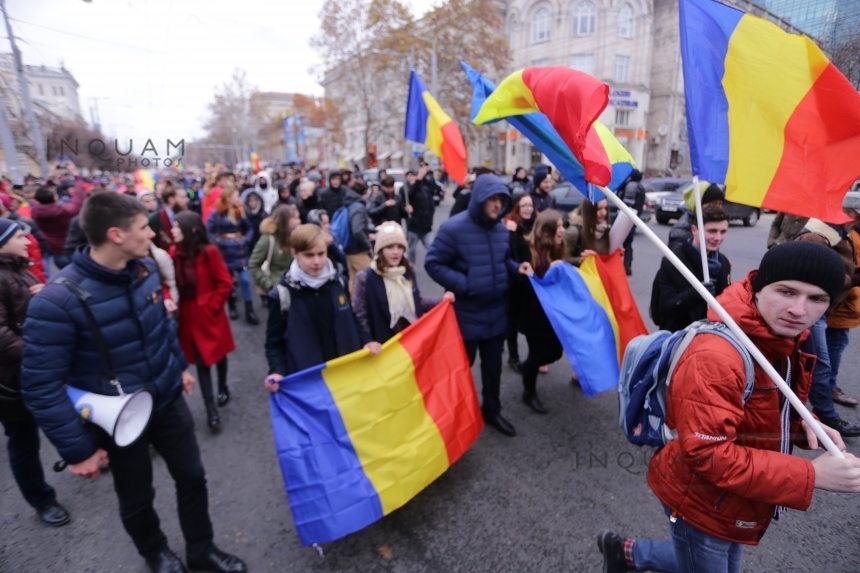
column 729, row 470
column 546, row 248
column 386, row 298
column 311, row 320
column 231, row 232
column 588, row 233
column 675, row 304
column 349, row 226
column 271, row 257
column 101, row 326
column 331, row 198
column 18, row 286
column 633, row 195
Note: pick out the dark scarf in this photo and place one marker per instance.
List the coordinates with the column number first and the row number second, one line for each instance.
column 185, row 266
column 714, row 264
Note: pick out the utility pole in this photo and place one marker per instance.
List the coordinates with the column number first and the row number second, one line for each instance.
column 9, row 146
column 36, row 133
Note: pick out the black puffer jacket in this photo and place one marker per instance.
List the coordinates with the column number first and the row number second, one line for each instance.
column 15, row 283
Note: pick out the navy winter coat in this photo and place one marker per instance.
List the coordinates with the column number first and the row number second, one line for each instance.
column 471, row 257
column 237, row 250
column 59, row 347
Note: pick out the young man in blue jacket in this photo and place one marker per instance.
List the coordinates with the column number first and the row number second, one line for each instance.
column 471, row 257
column 122, row 289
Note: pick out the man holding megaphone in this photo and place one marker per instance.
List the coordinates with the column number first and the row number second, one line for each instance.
column 98, row 346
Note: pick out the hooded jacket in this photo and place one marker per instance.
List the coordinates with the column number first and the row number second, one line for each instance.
column 471, row 257
column 269, row 194
column 254, row 216
column 724, row 474
column 358, row 223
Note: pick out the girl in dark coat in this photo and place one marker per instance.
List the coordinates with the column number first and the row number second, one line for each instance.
column 386, row 298
column 310, row 316
column 519, row 222
column 17, row 286
column 231, row 231
column 546, row 248
column 204, row 285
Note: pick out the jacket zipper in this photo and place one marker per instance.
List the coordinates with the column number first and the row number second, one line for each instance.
column 721, row 500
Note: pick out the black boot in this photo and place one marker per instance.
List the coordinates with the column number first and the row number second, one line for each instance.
column 165, row 562
column 231, row 305
column 250, row 315
column 218, row 561
column 223, row 395
column 530, row 390
column 213, row 420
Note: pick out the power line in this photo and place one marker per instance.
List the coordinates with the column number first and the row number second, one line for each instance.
column 148, row 50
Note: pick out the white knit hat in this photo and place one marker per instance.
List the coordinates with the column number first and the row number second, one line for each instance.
column 390, row 233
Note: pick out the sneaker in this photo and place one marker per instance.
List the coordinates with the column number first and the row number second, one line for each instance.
column 845, row 429
column 611, row 546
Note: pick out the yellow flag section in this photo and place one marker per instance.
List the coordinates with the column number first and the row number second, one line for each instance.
column 591, row 276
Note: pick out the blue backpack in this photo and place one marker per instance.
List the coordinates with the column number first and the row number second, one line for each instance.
column 340, row 227
column 646, row 370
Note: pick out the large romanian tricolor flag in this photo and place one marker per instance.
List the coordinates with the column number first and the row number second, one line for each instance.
column 538, row 129
column 361, row 435
column 427, row 123
column 767, row 113
column 594, row 315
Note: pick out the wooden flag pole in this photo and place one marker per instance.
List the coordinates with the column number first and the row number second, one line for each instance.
column 729, row 321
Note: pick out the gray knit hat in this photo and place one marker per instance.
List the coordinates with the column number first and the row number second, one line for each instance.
column 852, row 201
column 803, row 261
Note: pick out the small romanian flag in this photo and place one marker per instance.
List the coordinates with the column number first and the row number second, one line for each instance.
column 427, row 123
column 768, row 114
column 594, row 315
column 255, row 161
column 361, row 435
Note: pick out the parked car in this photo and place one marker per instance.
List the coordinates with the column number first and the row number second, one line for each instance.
column 657, row 187
column 568, row 198
column 673, row 206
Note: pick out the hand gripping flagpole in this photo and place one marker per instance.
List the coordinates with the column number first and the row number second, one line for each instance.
column 728, row 320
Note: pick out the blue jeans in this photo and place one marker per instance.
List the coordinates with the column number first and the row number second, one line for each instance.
column 819, row 394
column 244, row 284
column 23, row 448
column 837, row 342
column 689, row 551
column 413, row 239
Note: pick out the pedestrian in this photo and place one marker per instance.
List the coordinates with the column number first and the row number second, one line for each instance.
column 212, row 191
column 18, row 286
column 255, row 212
column 36, row 240
column 173, row 201
column 785, row 227
column 519, row 222
column 121, row 287
column 681, row 229
column 519, row 182
column 588, row 233
column 386, row 298
column 265, row 189
column 285, row 193
column 675, row 304
column 546, row 249
column 271, row 257
column 195, row 195
column 308, row 199
column 730, row 470
column 53, row 218
column 205, row 284
column 147, row 199
column 334, row 251
column 310, row 316
column 471, row 257
column 358, row 250
column 541, row 196
column 387, row 205
column 420, row 210
column 633, row 195
column 232, row 234
column 331, row 198
column 462, row 195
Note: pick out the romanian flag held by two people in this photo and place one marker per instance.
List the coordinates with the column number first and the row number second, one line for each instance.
column 594, row 315
column 361, row 435
column 556, row 108
column 427, row 123
column 767, row 113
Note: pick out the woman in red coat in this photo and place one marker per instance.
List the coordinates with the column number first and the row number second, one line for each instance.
column 204, row 285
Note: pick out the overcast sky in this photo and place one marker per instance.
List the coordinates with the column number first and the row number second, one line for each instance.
column 154, row 64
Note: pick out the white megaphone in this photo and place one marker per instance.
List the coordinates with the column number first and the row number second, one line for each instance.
column 124, row 417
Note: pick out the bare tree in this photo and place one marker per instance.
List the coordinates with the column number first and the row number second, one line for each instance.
column 845, row 55
column 234, row 120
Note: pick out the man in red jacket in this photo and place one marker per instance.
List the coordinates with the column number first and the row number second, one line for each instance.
column 730, row 471
column 53, row 218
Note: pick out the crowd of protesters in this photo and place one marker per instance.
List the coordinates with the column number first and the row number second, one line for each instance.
column 330, row 260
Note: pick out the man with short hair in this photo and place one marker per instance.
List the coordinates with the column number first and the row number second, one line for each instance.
column 540, row 194
column 681, row 229
column 471, row 257
column 386, row 206
column 53, row 218
column 420, row 210
column 331, row 198
column 139, row 351
column 161, row 222
column 678, row 304
column 730, row 470
column 633, row 195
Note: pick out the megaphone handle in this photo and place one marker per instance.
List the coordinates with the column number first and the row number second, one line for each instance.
column 60, row 466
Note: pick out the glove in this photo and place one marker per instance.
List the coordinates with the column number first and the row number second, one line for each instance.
column 711, row 287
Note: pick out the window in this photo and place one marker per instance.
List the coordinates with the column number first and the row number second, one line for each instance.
column 625, row 21
column 583, row 63
column 540, row 62
column 622, row 117
column 62, row 91
column 41, row 91
column 584, row 16
column 54, row 89
column 512, row 34
column 622, row 69
column 541, row 25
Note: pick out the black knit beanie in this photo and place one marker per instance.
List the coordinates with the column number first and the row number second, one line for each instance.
column 713, row 193
column 802, row 261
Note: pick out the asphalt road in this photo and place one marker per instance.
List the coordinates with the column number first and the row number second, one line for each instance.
column 532, row 503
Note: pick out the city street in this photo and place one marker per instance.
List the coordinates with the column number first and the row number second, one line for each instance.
column 535, row 502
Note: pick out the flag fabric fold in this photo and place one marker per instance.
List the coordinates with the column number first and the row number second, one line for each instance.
column 538, row 129
column 594, row 315
column 361, row 435
column 427, row 123
column 767, row 113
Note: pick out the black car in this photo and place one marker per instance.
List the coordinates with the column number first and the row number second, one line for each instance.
column 568, row 198
column 672, row 206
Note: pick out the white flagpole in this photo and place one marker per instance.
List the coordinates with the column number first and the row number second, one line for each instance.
column 740, row 334
column 701, row 226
